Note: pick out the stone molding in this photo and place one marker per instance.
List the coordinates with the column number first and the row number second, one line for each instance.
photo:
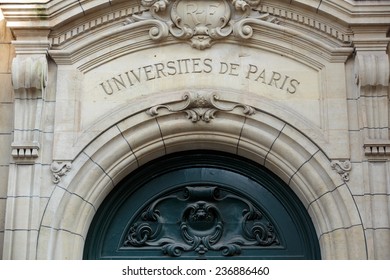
column 49, row 15
column 263, row 11
column 130, row 27
column 64, row 35
column 200, row 105
column 303, row 19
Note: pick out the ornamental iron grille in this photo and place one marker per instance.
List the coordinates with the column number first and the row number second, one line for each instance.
column 205, row 219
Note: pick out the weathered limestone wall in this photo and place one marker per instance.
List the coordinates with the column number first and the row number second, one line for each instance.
column 6, row 109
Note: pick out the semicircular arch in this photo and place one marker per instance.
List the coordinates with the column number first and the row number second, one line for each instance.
column 260, row 137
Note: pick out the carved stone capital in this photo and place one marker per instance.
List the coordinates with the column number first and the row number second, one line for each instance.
column 372, row 70
column 201, row 23
column 29, row 72
column 59, row 169
column 372, row 79
column 342, row 167
column 200, row 105
column 371, row 60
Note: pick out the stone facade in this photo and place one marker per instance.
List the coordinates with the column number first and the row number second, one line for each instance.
column 100, row 88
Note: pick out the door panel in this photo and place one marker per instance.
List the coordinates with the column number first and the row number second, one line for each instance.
column 201, row 206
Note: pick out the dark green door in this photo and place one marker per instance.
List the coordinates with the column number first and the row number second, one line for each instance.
column 202, row 205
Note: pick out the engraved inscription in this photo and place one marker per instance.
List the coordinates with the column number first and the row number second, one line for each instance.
column 199, row 66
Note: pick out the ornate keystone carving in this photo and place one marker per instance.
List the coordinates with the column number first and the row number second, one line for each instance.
column 201, row 22
column 199, row 224
column 342, row 167
column 201, row 105
column 59, row 169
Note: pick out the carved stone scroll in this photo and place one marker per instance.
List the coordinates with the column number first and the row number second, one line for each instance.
column 372, row 72
column 29, row 78
column 59, row 169
column 342, row 167
column 201, row 23
column 201, row 105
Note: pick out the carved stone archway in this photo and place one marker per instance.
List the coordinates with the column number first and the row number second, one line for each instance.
column 237, row 129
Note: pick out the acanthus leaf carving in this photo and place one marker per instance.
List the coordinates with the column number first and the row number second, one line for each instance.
column 201, row 22
column 200, row 105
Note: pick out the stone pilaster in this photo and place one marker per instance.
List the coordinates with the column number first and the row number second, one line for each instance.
column 372, row 80
column 29, row 80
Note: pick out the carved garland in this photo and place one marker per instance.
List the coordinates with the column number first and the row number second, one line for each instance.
column 201, row 105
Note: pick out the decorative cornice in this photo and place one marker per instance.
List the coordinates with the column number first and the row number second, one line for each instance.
column 51, row 13
column 342, row 167
column 200, row 105
column 61, row 37
column 166, row 11
column 307, row 20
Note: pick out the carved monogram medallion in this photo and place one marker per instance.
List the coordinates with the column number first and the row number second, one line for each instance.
column 205, row 219
column 201, row 22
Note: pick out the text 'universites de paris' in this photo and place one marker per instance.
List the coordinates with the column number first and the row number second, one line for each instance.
column 196, row 66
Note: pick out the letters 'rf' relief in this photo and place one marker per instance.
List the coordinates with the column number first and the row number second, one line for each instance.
column 200, row 22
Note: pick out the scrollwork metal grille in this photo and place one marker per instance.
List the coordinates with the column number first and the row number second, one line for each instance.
column 203, row 219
